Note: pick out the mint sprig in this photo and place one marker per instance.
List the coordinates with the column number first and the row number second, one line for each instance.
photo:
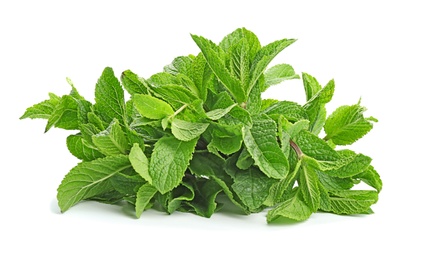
column 199, row 134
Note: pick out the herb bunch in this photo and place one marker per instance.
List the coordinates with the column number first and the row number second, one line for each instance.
column 199, row 135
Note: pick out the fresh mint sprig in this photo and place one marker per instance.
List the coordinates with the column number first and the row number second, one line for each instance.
column 199, row 134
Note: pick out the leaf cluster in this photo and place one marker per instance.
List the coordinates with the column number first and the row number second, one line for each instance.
column 198, row 135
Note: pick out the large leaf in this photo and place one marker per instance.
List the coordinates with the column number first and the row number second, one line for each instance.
column 169, row 161
column 89, row 179
column 262, row 144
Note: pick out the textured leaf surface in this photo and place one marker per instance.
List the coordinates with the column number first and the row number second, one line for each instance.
column 347, row 124
column 143, row 197
column 152, row 107
column 109, row 97
column 111, row 141
column 290, row 110
column 278, row 74
column 260, row 140
column 43, row 109
column 316, row 148
column 140, row 163
column 187, row 131
column 352, row 201
column 169, row 161
column 294, row 208
column 309, row 183
column 78, row 147
column 133, row 84
column 89, row 179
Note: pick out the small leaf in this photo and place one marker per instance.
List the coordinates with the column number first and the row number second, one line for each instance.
column 144, row 195
column 151, row 107
column 290, row 110
column 187, row 131
column 218, row 113
column 77, row 147
column 294, row 208
column 308, row 185
column 111, row 141
column 43, row 109
column 133, row 84
column 278, row 74
column 140, row 163
column 347, row 124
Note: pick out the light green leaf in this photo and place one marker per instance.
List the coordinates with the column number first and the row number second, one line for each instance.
column 263, row 57
column 151, row 107
column 358, row 163
column 109, row 97
column 352, row 201
column 312, row 87
column 294, row 208
column 144, row 195
column 261, row 142
column 308, row 185
column 218, row 113
column 43, row 109
column 181, row 64
column 140, row 163
column 278, row 74
column 371, row 177
column 214, row 57
column 316, row 148
column 201, row 75
column 111, row 141
column 290, row 110
column 176, row 95
column 133, row 84
column 347, row 124
column 315, row 106
column 238, row 35
column 226, row 138
column 240, row 61
column 64, row 115
column 89, row 179
column 80, row 150
column 169, row 160
column 186, row 131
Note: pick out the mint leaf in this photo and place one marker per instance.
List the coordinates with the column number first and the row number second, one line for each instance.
column 202, row 75
column 260, row 140
column 152, row 107
column 263, row 57
column 316, row 148
column 371, row 177
column 143, row 198
column 187, row 131
column 133, row 84
column 215, row 58
column 347, row 124
column 352, row 201
column 140, row 163
column 358, row 164
column 278, row 74
column 109, row 97
column 294, row 208
column 220, row 112
column 290, row 110
column 181, row 194
column 111, row 141
column 225, row 138
column 43, row 109
column 78, row 147
column 89, row 179
column 312, row 87
column 308, row 185
column 315, row 106
column 169, row 161
column 64, row 115
column 182, row 64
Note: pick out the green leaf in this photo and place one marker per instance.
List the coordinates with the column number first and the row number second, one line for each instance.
column 261, row 142
column 169, row 160
column 278, row 74
column 220, row 112
column 111, row 141
column 144, row 195
column 151, row 107
column 89, row 179
column 140, row 163
column 187, row 131
column 127, row 184
column 109, row 97
column 241, row 34
column 352, row 201
column 204, row 203
column 162, row 79
column 181, row 64
column 240, row 61
column 347, row 124
column 371, row 177
column 331, row 183
column 201, row 75
column 133, row 84
column 308, row 185
column 43, row 109
column 315, row 106
column 176, row 95
column 316, row 148
column 182, row 193
column 244, row 161
column 77, row 147
column 225, row 138
column 209, row 165
column 290, row 110
column 252, row 186
column 294, row 208
column 312, row 87
column 214, row 57
column 263, row 57
column 65, row 114
column 358, row 164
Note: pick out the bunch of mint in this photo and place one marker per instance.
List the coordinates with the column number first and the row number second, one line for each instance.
column 199, row 135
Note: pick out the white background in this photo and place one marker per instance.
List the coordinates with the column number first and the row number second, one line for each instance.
column 376, row 50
